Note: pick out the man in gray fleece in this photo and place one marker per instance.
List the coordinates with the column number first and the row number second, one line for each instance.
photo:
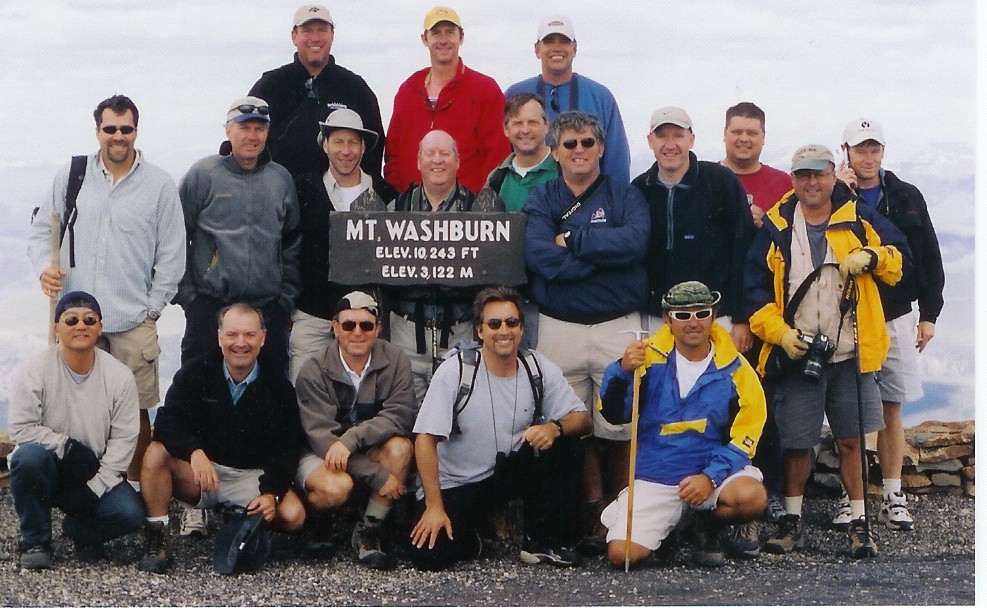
column 241, row 216
column 357, row 405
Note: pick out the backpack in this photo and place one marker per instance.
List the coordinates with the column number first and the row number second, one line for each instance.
column 77, row 173
column 467, row 353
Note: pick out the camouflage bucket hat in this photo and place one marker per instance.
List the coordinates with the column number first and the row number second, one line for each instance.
column 689, row 294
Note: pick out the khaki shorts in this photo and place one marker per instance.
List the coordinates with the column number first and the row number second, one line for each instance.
column 310, row 336
column 658, row 509
column 138, row 349
column 899, row 378
column 236, row 486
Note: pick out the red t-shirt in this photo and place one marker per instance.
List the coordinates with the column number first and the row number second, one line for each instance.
column 766, row 186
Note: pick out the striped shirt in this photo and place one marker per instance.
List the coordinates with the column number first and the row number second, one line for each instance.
column 129, row 240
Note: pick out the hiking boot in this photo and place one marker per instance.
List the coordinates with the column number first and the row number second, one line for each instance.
column 789, row 535
column 842, row 516
column 194, row 523
column 367, row 546
column 861, row 540
column 774, row 511
column 743, row 540
column 708, row 552
column 37, row 557
column 541, row 553
column 894, row 512
column 157, row 555
column 318, row 535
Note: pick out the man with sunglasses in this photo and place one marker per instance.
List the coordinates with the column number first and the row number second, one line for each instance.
column 701, row 414
column 585, row 246
column 565, row 91
column 241, row 214
column 357, row 403
column 128, row 221
column 74, row 417
column 495, row 446
column 812, row 272
column 304, row 92
column 451, row 97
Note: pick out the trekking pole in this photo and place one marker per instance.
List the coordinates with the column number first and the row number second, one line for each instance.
column 56, row 246
column 852, row 293
column 635, row 410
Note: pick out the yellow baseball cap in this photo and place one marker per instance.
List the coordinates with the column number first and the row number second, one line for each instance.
column 442, row 13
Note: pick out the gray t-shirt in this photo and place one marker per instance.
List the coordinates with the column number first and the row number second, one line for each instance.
column 469, row 456
column 817, row 242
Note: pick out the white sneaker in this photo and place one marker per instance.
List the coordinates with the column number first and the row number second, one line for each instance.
column 194, row 523
column 843, row 515
column 894, row 512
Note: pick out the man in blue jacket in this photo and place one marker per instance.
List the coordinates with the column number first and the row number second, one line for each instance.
column 585, row 244
column 701, row 414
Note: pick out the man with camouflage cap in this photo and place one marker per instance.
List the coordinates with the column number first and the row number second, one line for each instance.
column 701, row 414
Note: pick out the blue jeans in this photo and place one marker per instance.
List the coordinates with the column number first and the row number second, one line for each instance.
column 32, row 482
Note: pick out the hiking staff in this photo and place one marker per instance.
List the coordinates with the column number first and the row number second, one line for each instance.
column 56, row 246
column 851, row 295
column 635, row 410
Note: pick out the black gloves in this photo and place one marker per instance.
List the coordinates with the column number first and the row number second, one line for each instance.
column 78, row 465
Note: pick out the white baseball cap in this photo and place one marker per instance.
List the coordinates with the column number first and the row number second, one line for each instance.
column 311, row 12
column 556, row 24
column 670, row 115
column 861, row 130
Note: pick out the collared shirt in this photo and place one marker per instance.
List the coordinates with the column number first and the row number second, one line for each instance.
column 237, row 390
column 129, row 240
column 338, row 194
column 516, row 187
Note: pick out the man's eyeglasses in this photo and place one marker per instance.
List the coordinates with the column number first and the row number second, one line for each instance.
column 807, row 174
column 495, row 324
column 588, row 142
column 365, row 326
column 553, row 101
column 249, row 108
column 125, row 129
column 73, row 320
column 688, row 315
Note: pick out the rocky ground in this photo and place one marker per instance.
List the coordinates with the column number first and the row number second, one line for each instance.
column 934, row 564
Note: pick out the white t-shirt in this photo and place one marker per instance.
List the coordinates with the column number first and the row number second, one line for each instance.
column 688, row 372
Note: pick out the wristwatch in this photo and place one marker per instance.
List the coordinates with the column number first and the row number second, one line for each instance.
column 561, row 429
column 153, row 315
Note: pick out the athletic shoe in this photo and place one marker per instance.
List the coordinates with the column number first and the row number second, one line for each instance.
column 537, row 553
column 774, row 510
column 157, row 554
column 842, row 516
column 861, row 540
column 743, row 540
column 37, row 557
column 894, row 512
column 789, row 535
column 367, row 545
column 194, row 523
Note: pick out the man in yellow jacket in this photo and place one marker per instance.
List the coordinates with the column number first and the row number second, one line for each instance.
column 815, row 252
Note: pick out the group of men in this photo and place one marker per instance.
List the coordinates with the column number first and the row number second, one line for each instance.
column 717, row 261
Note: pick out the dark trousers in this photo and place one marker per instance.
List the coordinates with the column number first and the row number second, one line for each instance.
column 201, row 327
column 547, row 484
column 768, row 456
column 33, row 473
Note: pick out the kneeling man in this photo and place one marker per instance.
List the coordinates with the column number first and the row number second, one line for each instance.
column 357, row 401
column 228, row 433
column 701, row 414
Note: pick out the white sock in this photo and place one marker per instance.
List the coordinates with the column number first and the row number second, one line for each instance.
column 892, row 486
column 793, row 505
column 162, row 519
column 856, row 509
column 376, row 510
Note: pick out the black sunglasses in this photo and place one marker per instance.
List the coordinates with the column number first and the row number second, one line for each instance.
column 495, row 324
column 365, row 326
column 588, row 142
column 249, row 108
column 687, row 315
column 72, row 321
column 126, row 129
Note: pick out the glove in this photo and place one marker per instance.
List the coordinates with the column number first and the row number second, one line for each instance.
column 74, row 497
column 792, row 342
column 79, row 461
column 857, row 262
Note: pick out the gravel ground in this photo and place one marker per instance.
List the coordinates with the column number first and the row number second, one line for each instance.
column 934, row 564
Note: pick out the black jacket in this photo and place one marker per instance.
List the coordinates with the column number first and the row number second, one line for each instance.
column 703, row 236
column 262, row 431
column 297, row 108
column 904, row 205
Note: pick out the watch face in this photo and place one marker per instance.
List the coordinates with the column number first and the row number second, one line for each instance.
column 153, row 315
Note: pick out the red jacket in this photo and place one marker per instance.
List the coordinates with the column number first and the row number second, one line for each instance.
column 470, row 108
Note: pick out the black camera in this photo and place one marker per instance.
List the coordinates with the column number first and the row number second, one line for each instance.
column 821, row 348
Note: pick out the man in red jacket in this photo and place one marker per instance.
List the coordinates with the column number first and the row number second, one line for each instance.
column 450, row 97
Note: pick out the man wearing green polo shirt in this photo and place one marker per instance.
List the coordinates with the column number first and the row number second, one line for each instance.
column 531, row 162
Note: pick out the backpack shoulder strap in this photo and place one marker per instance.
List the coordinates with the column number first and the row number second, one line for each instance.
column 77, row 173
column 533, row 369
column 469, row 365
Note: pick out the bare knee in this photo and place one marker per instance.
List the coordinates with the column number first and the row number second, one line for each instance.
column 329, row 491
column 848, row 446
column 396, row 453
column 744, row 499
column 156, row 458
column 615, row 551
column 290, row 514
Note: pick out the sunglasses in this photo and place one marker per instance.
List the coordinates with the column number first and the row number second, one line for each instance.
column 72, row 321
column 365, row 326
column 588, row 142
column 126, row 129
column 495, row 324
column 688, row 315
column 249, row 108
